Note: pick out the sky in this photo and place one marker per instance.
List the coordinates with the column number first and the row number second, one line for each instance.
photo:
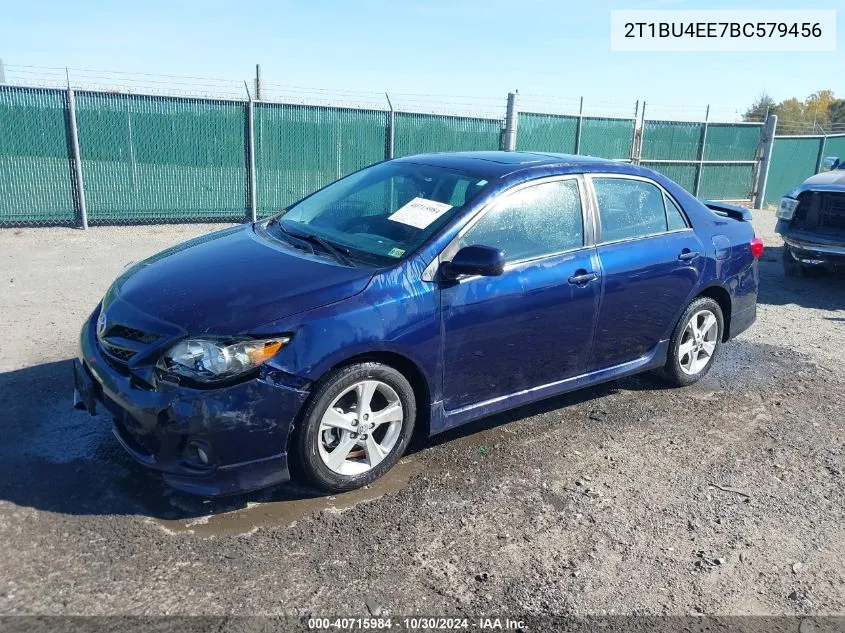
column 548, row 49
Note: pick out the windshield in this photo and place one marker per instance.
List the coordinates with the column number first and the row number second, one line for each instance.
column 385, row 211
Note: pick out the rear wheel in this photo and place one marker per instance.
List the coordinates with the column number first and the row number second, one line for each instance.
column 356, row 427
column 694, row 342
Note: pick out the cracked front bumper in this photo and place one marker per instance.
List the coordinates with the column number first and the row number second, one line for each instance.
column 242, row 429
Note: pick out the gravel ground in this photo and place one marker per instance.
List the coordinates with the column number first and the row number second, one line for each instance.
column 629, row 498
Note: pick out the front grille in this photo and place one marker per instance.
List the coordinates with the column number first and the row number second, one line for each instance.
column 118, row 353
column 121, row 343
column 122, row 331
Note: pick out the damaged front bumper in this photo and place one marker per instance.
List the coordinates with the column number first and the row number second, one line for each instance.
column 812, row 250
column 209, row 442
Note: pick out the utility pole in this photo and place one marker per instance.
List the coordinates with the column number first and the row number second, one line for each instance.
column 2, row 73
column 258, row 93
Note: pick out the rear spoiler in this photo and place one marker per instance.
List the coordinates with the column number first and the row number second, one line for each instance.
column 730, row 210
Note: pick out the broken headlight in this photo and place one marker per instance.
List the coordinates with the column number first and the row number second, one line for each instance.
column 209, row 361
column 786, row 208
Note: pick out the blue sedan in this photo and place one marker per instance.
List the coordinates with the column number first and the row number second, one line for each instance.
column 418, row 293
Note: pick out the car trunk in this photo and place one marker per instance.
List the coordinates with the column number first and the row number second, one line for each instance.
column 821, row 212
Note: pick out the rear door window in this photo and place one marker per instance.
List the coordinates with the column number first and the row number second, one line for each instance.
column 629, row 208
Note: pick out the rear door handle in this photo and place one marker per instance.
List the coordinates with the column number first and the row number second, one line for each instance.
column 687, row 255
column 582, row 277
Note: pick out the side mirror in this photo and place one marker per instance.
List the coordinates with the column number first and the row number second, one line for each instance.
column 829, row 163
column 475, row 260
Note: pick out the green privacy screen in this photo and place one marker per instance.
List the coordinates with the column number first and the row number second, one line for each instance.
column 607, row 138
column 160, row 159
column 546, row 133
column 681, row 141
column 600, row 136
column 726, row 182
column 727, row 141
column 299, row 149
column 718, row 182
column 35, row 166
column 793, row 161
column 671, row 140
column 420, row 133
column 681, row 173
column 835, row 146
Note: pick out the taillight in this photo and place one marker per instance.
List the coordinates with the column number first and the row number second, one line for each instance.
column 756, row 247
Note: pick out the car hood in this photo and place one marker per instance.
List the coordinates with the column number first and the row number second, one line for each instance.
column 232, row 281
column 835, row 177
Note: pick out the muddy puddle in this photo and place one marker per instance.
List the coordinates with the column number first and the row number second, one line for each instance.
column 284, row 506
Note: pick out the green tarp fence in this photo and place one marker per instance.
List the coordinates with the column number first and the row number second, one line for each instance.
column 796, row 158
column 599, row 136
column 723, row 152
column 36, row 179
column 170, row 159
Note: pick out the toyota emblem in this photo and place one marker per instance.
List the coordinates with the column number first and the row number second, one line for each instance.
column 102, row 324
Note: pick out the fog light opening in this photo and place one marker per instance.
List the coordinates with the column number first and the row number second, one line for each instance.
column 197, row 454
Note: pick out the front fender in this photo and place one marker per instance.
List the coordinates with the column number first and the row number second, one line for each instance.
column 397, row 313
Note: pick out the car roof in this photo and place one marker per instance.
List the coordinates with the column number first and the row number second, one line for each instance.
column 493, row 164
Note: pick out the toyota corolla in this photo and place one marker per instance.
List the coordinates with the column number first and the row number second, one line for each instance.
column 418, row 293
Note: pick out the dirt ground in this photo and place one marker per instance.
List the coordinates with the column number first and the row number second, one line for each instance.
column 727, row 497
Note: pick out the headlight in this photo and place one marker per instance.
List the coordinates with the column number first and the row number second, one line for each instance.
column 786, row 209
column 209, row 361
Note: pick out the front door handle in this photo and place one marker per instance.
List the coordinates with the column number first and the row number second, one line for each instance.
column 582, row 277
column 688, row 255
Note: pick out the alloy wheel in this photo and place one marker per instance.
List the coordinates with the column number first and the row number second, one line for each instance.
column 698, row 342
column 360, row 427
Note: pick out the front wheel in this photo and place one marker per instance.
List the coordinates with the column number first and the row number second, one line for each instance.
column 791, row 268
column 356, row 426
column 694, row 342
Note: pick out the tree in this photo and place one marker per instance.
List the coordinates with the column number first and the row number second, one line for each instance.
column 821, row 111
column 792, row 116
column 759, row 109
column 817, row 107
column 836, row 113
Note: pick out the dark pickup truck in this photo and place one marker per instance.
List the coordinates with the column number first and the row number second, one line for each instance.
column 811, row 219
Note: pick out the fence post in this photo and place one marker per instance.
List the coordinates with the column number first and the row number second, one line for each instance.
column 579, row 127
column 253, row 206
column 258, row 91
column 2, row 73
column 389, row 136
column 511, row 117
column 81, row 209
column 820, row 157
column 634, row 132
column 639, row 144
column 765, row 158
column 701, row 153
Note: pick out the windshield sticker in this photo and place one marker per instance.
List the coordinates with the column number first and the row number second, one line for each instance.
column 396, row 252
column 420, row 212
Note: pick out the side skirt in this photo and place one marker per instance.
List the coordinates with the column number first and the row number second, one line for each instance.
column 443, row 420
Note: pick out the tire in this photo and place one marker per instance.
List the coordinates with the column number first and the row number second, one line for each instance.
column 330, row 423
column 694, row 368
column 791, row 268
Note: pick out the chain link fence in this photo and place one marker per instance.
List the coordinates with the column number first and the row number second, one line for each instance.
column 714, row 161
column 36, row 179
column 302, row 148
column 158, row 158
